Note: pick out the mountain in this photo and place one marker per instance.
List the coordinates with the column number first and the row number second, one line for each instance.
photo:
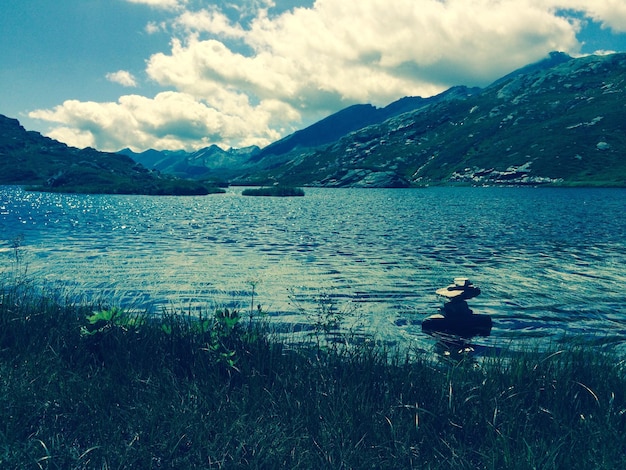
column 554, row 58
column 353, row 118
column 210, row 163
column 560, row 121
column 155, row 159
column 213, row 163
column 28, row 158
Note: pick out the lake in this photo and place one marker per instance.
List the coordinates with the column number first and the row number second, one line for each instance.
column 549, row 261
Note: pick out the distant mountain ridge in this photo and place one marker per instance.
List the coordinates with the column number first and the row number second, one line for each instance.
column 210, row 163
column 554, row 59
column 215, row 163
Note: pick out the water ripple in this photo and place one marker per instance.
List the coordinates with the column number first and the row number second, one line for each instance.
column 550, row 262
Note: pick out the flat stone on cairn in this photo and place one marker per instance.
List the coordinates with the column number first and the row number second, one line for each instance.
column 461, row 289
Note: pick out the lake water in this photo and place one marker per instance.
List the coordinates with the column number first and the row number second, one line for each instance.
column 550, row 262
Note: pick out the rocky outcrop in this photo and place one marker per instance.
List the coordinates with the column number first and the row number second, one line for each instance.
column 364, row 178
column 513, row 175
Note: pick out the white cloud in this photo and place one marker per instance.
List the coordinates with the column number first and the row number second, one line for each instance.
column 122, row 77
column 153, row 27
column 610, row 13
column 210, row 20
column 381, row 53
column 73, row 136
column 240, row 79
column 167, row 4
column 170, row 120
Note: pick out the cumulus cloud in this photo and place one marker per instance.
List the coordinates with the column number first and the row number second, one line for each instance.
column 122, row 77
column 418, row 47
column 170, row 120
column 609, row 13
column 167, row 4
column 211, row 20
column 241, row 78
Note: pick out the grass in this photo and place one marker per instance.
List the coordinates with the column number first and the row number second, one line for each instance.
column 85, row 387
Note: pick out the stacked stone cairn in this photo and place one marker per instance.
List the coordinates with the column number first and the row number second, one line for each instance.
column 455, row 307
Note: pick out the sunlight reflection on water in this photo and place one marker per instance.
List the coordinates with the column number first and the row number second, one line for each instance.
column 550, row 262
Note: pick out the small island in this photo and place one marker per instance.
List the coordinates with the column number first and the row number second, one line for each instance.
column 150, row 186
column 275, row 191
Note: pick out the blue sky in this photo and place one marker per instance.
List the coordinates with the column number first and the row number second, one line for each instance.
column 173, row 74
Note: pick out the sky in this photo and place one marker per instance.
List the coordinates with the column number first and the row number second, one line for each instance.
column 186, row 74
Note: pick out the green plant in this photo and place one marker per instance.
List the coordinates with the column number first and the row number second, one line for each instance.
column 18, row 271
column 327, row 320
column 219, row 334
column 212, row 391
column 103, row 320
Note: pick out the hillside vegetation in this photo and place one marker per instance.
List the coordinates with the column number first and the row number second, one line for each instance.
column 28, row 158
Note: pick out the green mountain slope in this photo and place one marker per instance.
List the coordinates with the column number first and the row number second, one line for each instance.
column 28, row 158
column 561, row 123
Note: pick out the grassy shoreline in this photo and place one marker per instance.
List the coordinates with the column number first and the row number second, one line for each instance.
column 96, row 387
